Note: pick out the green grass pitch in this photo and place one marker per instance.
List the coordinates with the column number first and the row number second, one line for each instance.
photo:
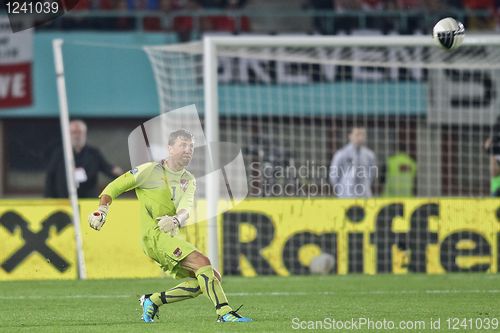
column 273, row 302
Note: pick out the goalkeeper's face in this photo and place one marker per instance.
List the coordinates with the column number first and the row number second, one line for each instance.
column 181, row 152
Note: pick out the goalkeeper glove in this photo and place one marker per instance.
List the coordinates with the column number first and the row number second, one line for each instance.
column 97, row 218
column 169, row 224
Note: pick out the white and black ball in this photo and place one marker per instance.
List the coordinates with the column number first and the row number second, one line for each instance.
column 449, row 33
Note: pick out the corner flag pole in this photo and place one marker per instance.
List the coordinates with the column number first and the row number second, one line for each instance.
column 68, row 153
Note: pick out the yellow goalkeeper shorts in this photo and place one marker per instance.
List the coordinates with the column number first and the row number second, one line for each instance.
column 168, row 252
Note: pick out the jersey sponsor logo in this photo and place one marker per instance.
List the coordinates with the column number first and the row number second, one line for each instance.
column 134, row 171
column 184, row 184
column 177, row 252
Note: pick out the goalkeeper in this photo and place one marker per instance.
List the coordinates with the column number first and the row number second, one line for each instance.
column 166, row 193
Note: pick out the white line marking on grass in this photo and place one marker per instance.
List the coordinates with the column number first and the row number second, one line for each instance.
column 14, row 297
column 272, row 294
column 372, row 292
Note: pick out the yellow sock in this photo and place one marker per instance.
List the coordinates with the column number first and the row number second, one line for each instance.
column 212, row 288
column 185, row 290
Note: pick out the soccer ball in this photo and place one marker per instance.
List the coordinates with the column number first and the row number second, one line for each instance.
column 449, row 33
column 322, row 264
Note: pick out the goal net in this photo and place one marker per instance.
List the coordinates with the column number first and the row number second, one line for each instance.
column 292, row 103
column 295, row 106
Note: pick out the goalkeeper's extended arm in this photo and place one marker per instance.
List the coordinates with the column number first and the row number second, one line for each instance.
column 98, row 218
column 122, row 184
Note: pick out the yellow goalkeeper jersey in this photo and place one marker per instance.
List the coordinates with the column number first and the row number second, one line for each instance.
column 160, row 191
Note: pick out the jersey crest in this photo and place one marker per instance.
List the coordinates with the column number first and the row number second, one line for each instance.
column 177, row 252
column 184, row 184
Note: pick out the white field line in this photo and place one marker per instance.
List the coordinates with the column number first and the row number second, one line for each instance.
column 270, row 294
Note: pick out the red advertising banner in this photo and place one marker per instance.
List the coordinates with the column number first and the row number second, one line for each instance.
column 16, row 56
column 15, row 85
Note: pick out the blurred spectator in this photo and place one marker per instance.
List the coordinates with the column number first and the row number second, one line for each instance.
column 492, row 147
column 88, row 163
column 398, row 175
column 353, row 168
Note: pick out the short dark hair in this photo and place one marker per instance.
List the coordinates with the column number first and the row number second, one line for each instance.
column 181, row 133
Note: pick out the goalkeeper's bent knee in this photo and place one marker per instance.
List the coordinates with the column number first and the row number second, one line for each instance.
column 217, row 275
